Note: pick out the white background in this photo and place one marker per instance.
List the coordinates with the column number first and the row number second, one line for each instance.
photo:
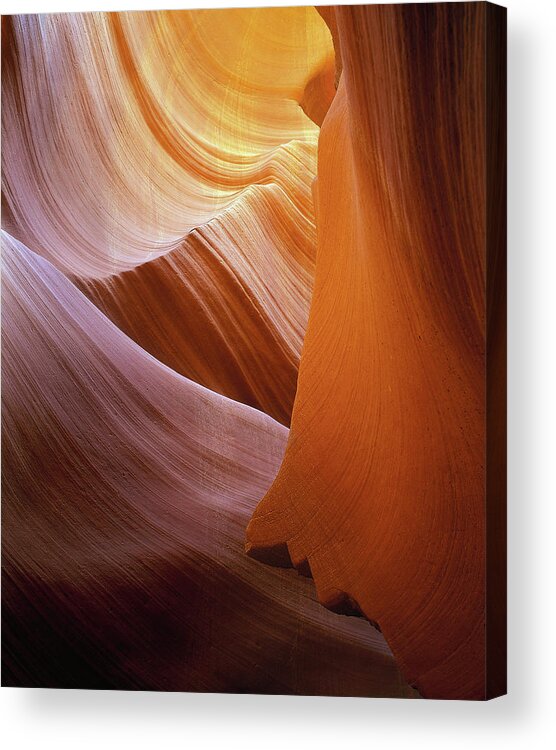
column 527, row 716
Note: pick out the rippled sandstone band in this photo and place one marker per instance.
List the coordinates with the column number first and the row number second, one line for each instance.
column 382, row 494
column 217, row 225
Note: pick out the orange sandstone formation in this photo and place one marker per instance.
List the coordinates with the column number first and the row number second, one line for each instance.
column 227, row 308
column 126, row 491
column 171, row 262
column 170, row 178
column 125, row 131
column 381, row 495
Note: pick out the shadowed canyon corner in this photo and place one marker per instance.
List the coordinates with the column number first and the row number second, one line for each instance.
column 253, row 351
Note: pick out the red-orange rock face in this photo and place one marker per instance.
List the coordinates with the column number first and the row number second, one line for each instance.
column 382, row 490
column 244, row 293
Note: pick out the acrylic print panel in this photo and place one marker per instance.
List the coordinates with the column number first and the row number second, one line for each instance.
column 254, row 350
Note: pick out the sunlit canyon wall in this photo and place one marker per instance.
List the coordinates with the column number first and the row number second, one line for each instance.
column 244, row 329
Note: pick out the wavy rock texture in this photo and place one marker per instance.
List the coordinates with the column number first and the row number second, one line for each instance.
column 134, row 128
column 228, row 307
column 162, row 165
column 176, row 136
column 170, row 262
column 381, row 495
column 126, row 490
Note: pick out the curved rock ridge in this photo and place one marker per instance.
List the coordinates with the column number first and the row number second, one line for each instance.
column 228, row 308
column 124, row 131
column 126, row 490
column 381, row 494
column 185, row 267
